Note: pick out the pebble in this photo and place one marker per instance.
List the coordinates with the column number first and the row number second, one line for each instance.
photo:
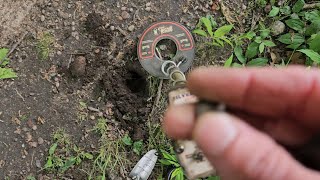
column 63, row 15
column 148, row 9
column 131, row 28
column 73, row 23
column 40, row 141
column 148, row 4
column 34, row 127
column 92, row 117
column 33, row 144
column 125, row 15
column 131, row 10
column 69, row 6
column 55, row 4
column 38, row 163
column 42, row 18
column 112, row 28
column 123, row 8
column 59, row 53
column 278, row 28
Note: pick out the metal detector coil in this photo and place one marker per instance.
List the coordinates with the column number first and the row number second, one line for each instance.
column 180, row 35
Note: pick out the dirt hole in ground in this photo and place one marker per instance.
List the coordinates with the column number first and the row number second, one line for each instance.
column 136, row 83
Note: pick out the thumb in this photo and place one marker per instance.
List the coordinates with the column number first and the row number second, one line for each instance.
column 238, row 151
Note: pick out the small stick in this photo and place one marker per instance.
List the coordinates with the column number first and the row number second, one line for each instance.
column 311, row 6
column 20, row 95
column 159, row 92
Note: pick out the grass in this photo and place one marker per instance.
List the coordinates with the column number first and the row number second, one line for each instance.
column 44, row 45
column 112, row 154
column 63, row 154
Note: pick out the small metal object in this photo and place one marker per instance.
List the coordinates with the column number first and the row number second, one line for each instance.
column 150, row 57
column 144, row 167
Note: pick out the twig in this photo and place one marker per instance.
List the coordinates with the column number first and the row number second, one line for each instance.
column 14, row 47
column 5, row 144
column 19, row 95
column 32, row 158
column 159, row 92
column 311, row 6
column 156, row 102
column 2, row 121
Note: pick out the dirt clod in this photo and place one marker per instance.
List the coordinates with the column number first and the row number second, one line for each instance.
column 126, row 88
column 78, row 66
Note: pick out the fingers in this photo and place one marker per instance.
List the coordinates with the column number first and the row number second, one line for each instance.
column 238, row 151
column 293, row 92
column 179, row 121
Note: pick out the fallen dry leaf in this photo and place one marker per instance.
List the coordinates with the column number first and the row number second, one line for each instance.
column 28, row 137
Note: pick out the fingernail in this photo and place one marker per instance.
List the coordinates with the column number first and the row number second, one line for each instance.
column 214, row 132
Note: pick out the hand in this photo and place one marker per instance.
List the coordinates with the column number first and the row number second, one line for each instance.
column 277, row 107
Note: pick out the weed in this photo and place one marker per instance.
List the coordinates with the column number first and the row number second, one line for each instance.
column 5, row 73
column 136, row 146
column 170, row 160
column 254, row 47
column 63, row 154
column 83, row 112
column 111, row 155
column 44, row 45
column 207, row 27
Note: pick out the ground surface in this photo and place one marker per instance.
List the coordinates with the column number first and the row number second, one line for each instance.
column 91, row 73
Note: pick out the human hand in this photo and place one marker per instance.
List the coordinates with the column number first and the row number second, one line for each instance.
column 274, row 107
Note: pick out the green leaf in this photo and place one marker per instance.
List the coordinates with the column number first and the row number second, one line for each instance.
column 286, row 10
column 314, row 43
column 298, row 6
column 291, row 38
column 294, row 46
column 295, row 24
column 265, row 33
column 200, row 32
column 214, row 24
column 49, row 163
column 258, row 39
column 223, row 31
column 53, row 148
column 127, row 140
column 137, row 147
column 31, row 178
column 7, row 73
column 3, row 53
column 229, row 61
column 220, row 42
column 83, row 104
column 252, row 50
column 165, row 162
column 237, row 65
column 168, row 156
column 227, row 41
column 313, row 28
column 258, row 62
column 274, row 11
column 239, row 54
column 250, row 35
column 269, row 43
column 70, row 162
column 88, row 156
column 314, row 56
column 177, row 174
column 312, row 15
column 261, row 47
column 207, row 24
